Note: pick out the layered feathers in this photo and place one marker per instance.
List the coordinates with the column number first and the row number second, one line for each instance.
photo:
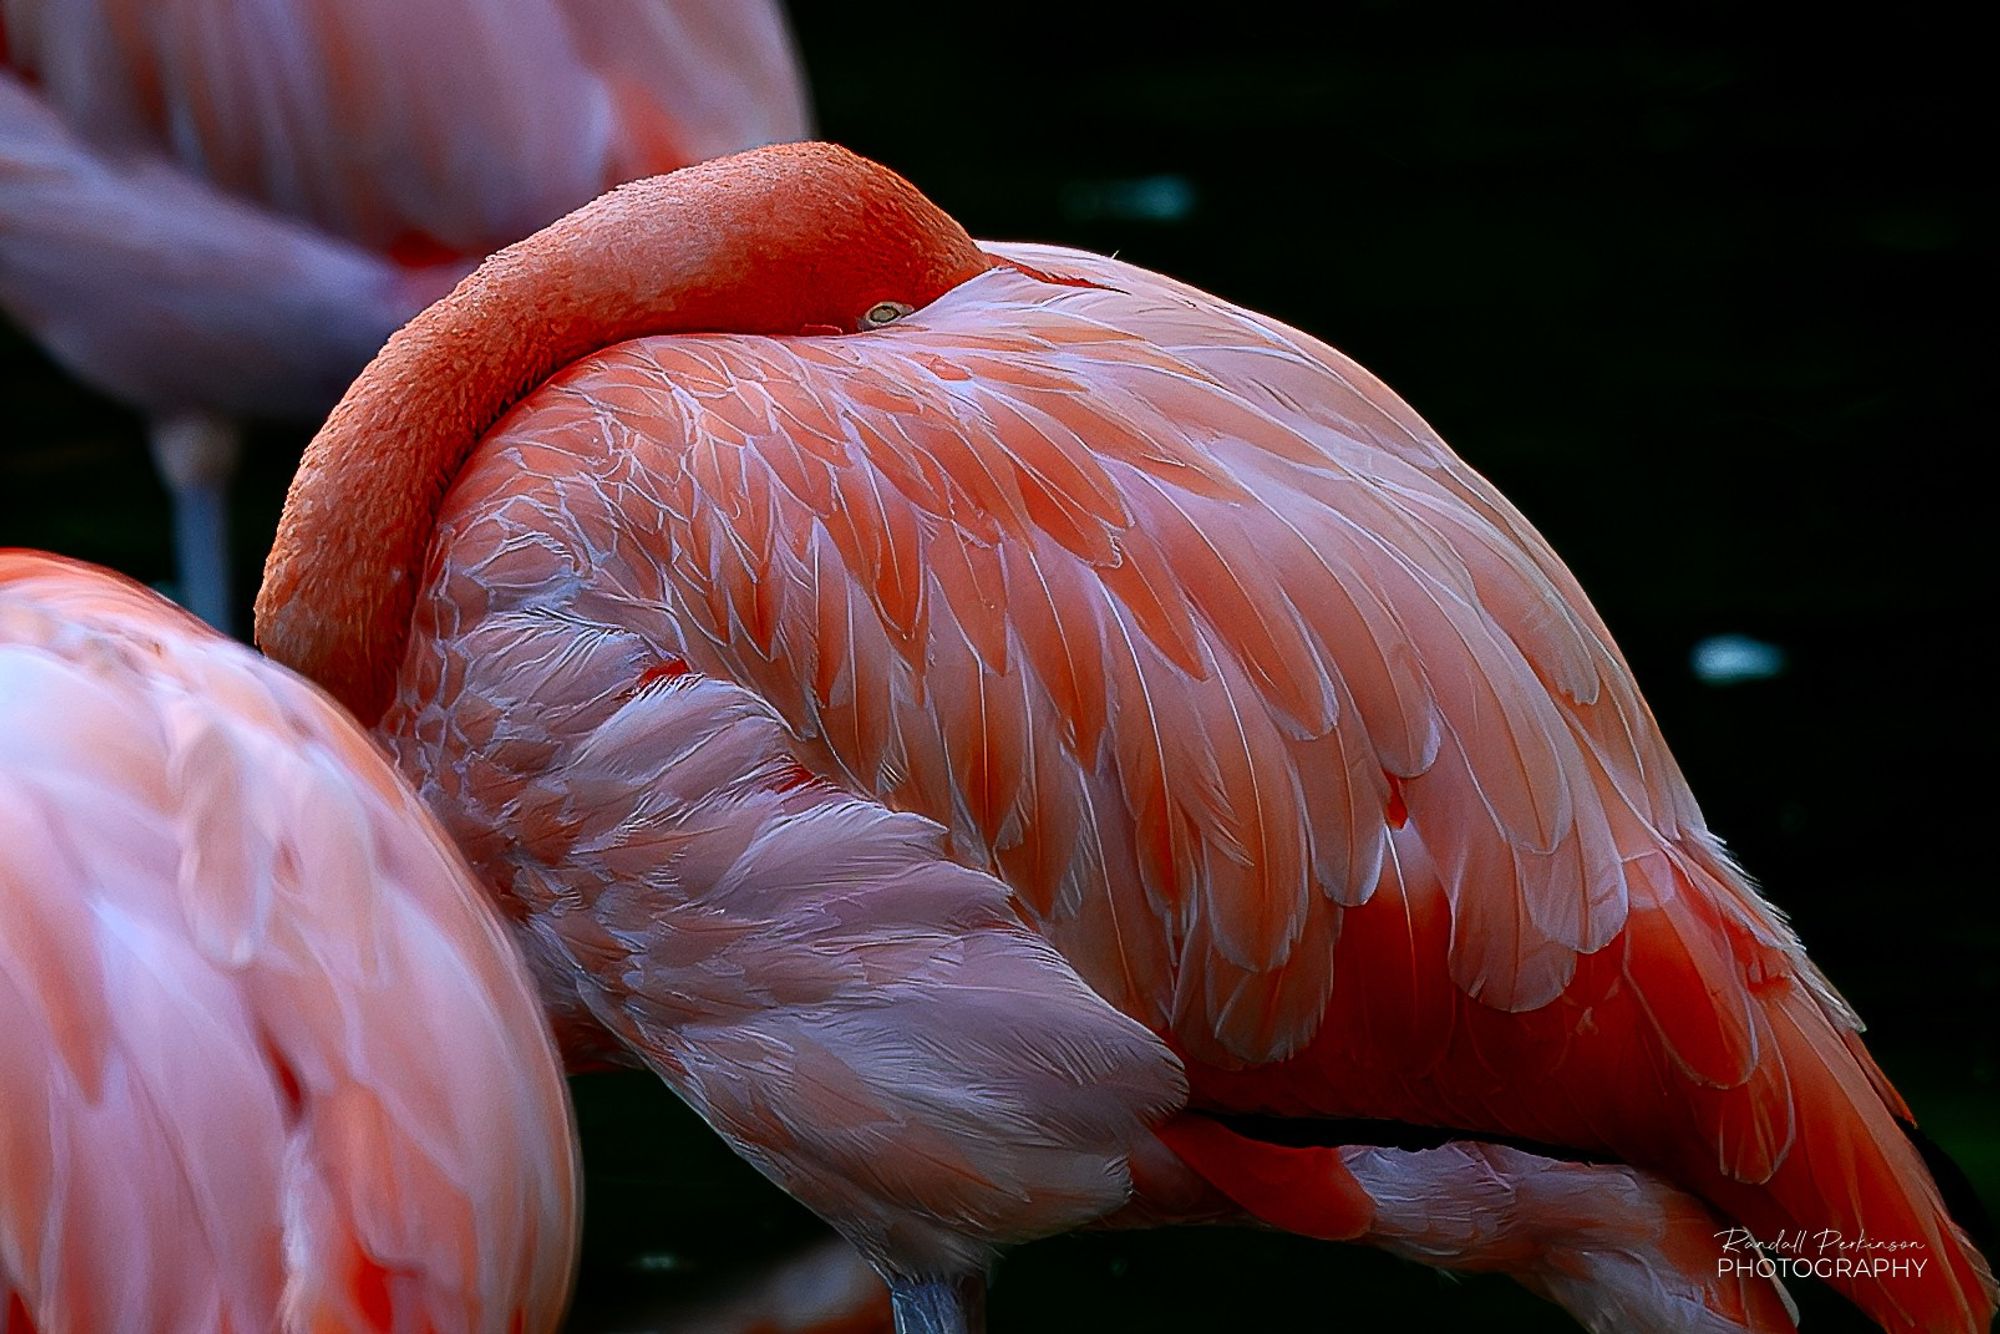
column 864, row 1019
column 269, row 1058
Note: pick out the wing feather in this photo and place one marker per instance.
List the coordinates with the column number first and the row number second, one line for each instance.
column 1038, row 515
column 1189, row 629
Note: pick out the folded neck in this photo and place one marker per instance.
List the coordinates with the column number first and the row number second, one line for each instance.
column 788, row 240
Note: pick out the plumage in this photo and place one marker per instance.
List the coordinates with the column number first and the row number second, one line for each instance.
column 867, row 1020
column 1280, row 724
column 270, row 1058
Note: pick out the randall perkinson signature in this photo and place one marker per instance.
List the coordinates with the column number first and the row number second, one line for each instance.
column 1826, row 1253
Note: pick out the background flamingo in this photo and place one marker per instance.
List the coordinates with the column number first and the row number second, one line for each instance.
column 268, row 1054
column 825, row 1289
column 213, row 210
column 1274, row 717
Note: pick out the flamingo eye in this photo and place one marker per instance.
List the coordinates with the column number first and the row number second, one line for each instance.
column 884, row 312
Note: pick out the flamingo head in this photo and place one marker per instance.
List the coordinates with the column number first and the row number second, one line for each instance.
column 790, row 239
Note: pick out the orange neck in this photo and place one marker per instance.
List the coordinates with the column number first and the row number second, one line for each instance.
column 777, row 241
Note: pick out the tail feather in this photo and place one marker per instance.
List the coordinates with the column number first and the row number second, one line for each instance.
column 1852, row 1202
column 1809, row 1151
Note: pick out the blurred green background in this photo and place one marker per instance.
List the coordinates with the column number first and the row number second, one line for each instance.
column 1689, row 284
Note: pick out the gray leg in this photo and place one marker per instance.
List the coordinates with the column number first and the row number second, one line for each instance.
column 939, row 1305
column 196, row 455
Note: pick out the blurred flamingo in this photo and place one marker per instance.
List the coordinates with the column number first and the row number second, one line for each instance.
column 212, row 209
column 787, row 602
column 826, row 1289
column 269, row 1057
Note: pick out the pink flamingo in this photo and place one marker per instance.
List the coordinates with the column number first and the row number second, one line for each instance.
column 214, row 210
column 270, row 1058
column 806, row 617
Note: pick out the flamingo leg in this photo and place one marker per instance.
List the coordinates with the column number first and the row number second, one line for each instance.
column 1616, row 1247
column 939, row 1305
column 196, row 455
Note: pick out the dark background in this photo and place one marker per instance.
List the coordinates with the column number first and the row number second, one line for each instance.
column 1691, row 286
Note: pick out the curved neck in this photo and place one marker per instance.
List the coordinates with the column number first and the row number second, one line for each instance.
column 763, row 243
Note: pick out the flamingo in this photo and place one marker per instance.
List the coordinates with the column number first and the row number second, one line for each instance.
column 804, row 616
column 270, row 1059
column 212, row 210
